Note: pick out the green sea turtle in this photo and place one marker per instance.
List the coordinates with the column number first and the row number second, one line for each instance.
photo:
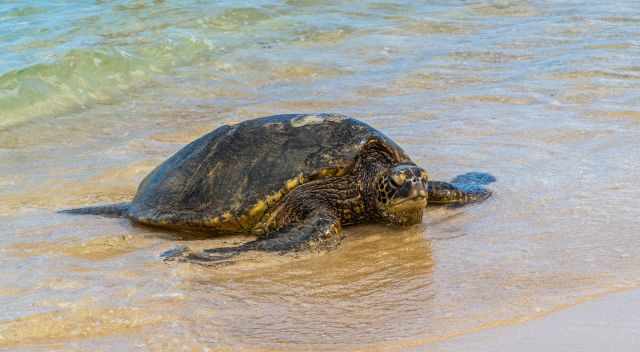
column 291, row 180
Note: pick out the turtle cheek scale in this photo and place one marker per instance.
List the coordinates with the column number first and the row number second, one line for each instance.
column 403, row 192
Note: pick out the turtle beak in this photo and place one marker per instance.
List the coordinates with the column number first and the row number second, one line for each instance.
column 418, row 191
column 408, row 207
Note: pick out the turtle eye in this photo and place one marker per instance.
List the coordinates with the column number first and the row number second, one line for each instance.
column 398, row 179
column 424, row 176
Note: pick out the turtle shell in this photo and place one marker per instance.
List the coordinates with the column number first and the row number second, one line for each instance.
column 229, row 178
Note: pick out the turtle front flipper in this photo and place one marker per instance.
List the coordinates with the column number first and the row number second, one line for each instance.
column 319, row 231
column 462, row 190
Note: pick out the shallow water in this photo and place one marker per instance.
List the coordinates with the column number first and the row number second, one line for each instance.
column 542, row 95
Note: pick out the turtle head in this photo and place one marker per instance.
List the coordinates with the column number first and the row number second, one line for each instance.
column 401, row 194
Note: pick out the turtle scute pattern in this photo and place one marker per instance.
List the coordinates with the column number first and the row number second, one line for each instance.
column 229, row 178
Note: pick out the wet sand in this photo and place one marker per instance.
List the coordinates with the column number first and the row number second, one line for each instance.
column 609, row 323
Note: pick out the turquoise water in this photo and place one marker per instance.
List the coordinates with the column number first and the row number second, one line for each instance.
column 58, row 57
column 543, row 95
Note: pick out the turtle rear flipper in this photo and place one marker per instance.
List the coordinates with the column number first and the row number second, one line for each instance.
column 112, row 210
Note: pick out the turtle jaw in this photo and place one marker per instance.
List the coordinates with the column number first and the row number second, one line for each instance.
column 407, row 211
column 409, row 203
